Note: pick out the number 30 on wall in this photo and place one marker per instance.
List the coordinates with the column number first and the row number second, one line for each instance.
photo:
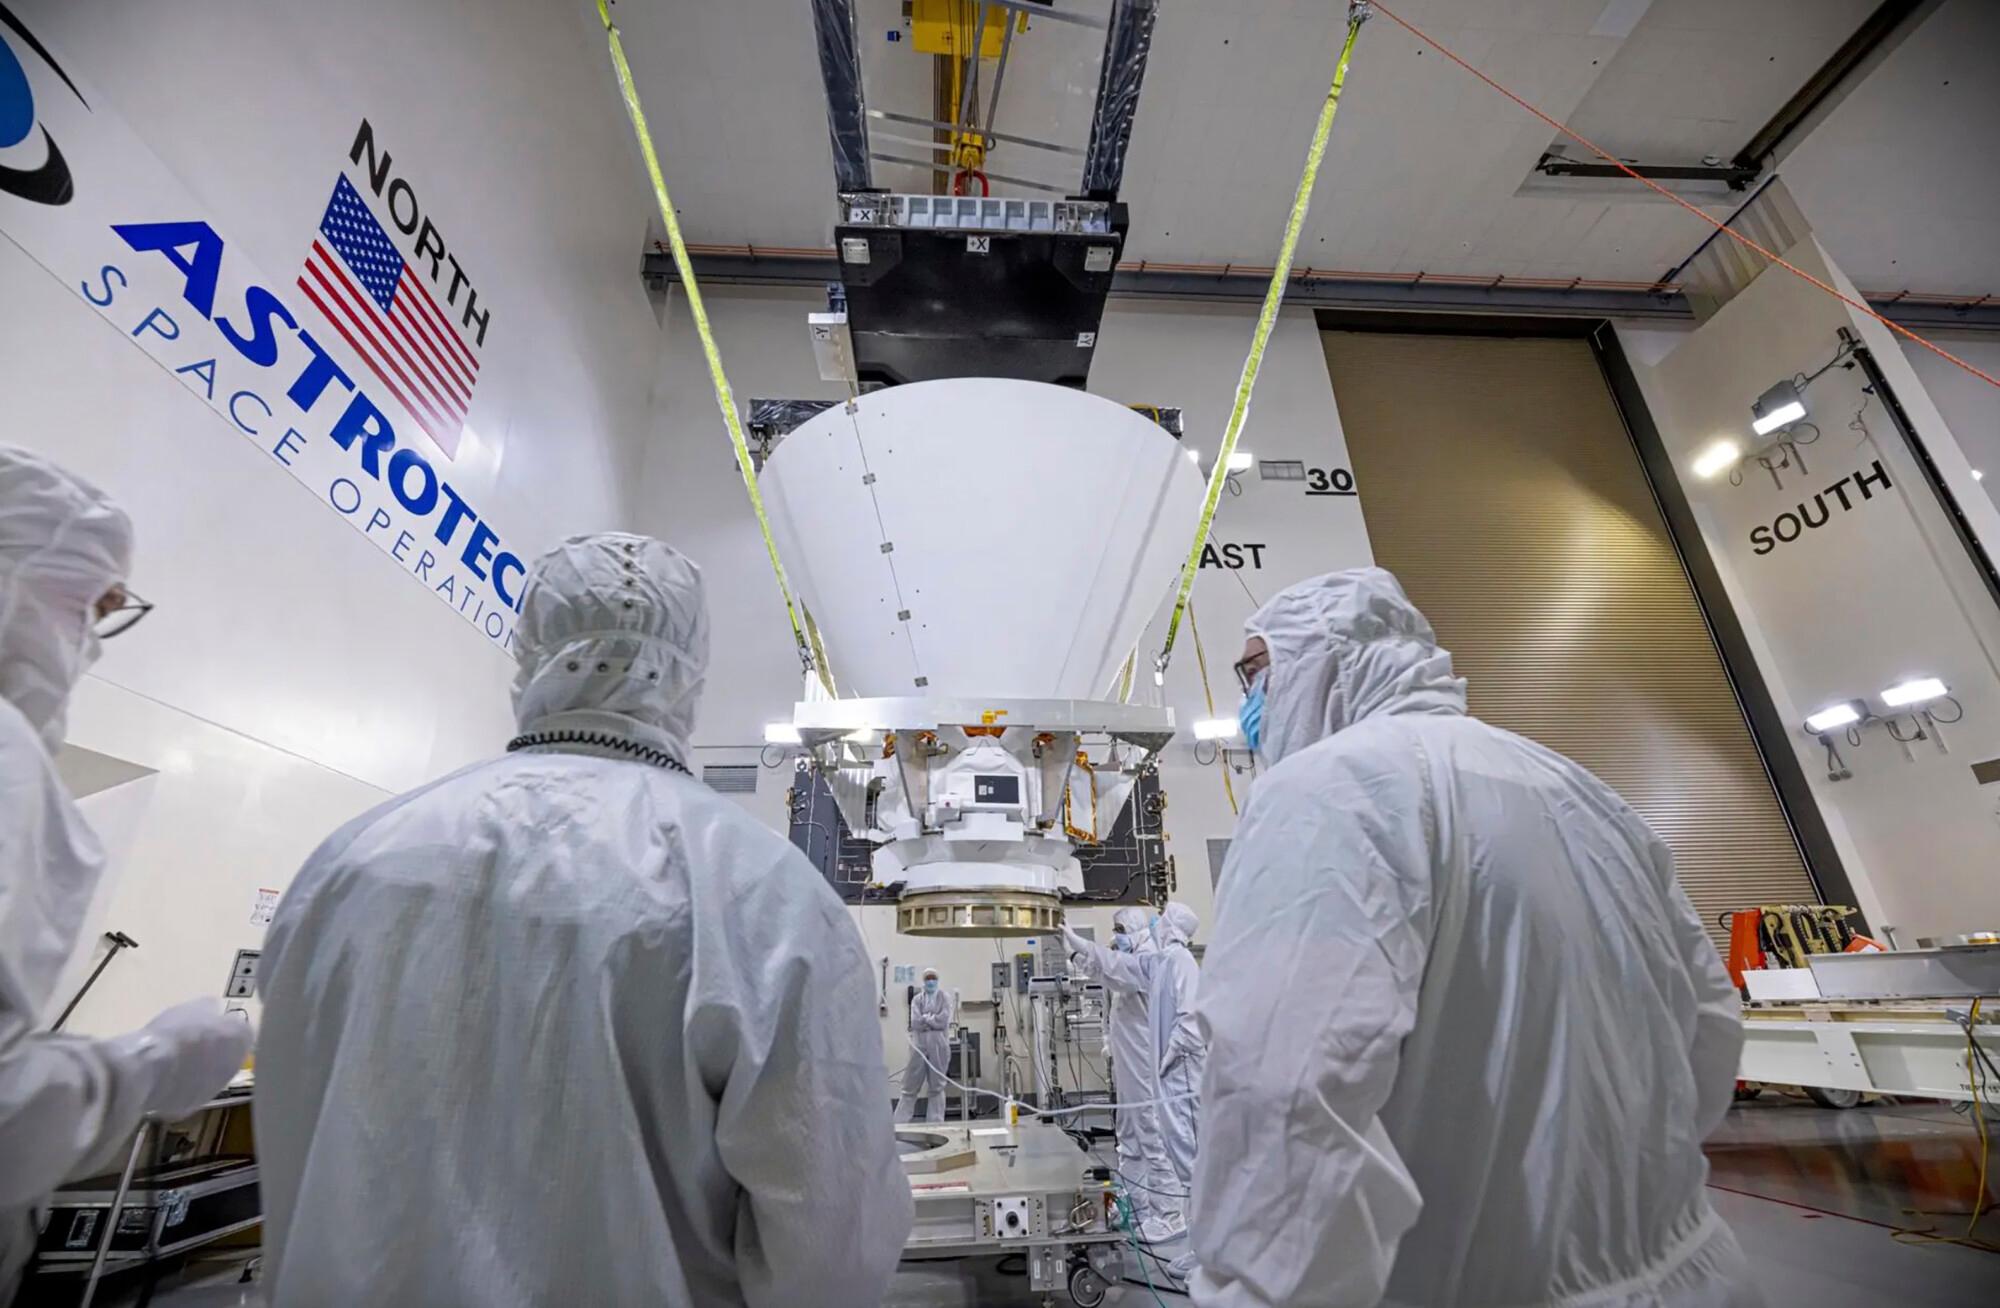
column 1329, row 481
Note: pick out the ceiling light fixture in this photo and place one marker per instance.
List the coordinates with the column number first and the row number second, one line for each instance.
column 1917, row 690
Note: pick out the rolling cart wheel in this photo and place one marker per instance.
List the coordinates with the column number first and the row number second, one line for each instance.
column 1826, row 1098
column 1086, row 1287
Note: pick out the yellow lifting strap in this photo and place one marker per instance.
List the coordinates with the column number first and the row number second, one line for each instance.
column 1274, row 295
column 724, row 398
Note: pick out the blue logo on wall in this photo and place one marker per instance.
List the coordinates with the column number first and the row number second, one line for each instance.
column 51, row 182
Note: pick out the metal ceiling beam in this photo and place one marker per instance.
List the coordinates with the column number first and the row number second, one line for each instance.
column 1416, row 295
column 1735, row 177
column 1861, row 50
column 1322, row 291
column 1933, row 314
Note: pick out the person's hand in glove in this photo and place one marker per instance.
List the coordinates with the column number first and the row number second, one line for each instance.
column 181, row 1058
column 69, row 1103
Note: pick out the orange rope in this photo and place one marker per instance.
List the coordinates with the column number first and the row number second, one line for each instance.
column 1716, row 223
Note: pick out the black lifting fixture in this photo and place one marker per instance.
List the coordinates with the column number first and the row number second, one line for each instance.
column 981, row 285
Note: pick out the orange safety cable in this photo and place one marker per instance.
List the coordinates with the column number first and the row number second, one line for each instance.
column 1716, row 223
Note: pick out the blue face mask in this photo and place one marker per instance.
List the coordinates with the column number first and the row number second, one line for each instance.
column 1251, row 716
column 1121, row 941
column 930, row 985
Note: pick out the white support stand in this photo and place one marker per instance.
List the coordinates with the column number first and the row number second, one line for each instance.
column 1908, row 1048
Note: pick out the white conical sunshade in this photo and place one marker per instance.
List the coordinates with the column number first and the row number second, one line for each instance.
column 981, row 538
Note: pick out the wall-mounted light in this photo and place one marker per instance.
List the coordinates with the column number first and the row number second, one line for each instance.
column 1917, row 690
column 1242, row 461
column 780, row 733
column 1781, row 406
column 1216, row 729
column 1849, row 715
column 1835, row 716
column 1718, row 458
column 1922, row 699
column 1911, row 718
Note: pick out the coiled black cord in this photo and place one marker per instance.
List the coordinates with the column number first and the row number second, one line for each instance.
column 601, row 740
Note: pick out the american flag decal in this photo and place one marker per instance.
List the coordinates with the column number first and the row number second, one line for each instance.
column 355, row 275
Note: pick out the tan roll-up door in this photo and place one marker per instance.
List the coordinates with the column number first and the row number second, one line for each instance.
column 1499, row 484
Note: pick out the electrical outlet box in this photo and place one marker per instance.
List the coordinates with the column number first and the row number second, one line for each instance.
column 1000, row 974
column 243, row 975
column 1024, row 968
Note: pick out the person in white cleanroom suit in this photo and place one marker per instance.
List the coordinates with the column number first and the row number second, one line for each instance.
column 568, row 1026
column 1126, row 969
column 1181, row 1050
column 930, row 1051
column 68, row 1103
column 1466, row 1034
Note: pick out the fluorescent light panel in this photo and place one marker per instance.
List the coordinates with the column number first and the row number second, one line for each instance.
column 1777, row 407
column 1783, row 416
column 1914, row 691
column 780, row 733
column 1833, row 716
column 1215, row 729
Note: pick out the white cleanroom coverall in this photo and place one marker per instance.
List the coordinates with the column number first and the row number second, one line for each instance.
column 1178, row 1040
column 568, row 1027
column 1127, row 975
column 68, row 1103
column 1466, row 1034
column 930, row 1053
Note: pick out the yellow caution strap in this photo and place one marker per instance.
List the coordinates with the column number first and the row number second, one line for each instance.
column 724, row 398
column 1274, row 296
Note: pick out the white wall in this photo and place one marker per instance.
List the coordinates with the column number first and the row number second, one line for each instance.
column 1876, row 594
column 1969, row 405
column 290, row 676
column 1183, row 355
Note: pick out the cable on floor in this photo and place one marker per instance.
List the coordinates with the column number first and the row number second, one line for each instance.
column 1976, row 1065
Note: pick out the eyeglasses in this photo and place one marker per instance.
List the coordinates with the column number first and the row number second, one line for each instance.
column 1248, row 670
column 119, row 611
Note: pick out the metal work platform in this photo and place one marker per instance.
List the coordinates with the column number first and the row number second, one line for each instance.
column 993, row 1189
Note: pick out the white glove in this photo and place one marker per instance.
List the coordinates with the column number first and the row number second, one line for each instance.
column 1077, row 944
column 181, row 1058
